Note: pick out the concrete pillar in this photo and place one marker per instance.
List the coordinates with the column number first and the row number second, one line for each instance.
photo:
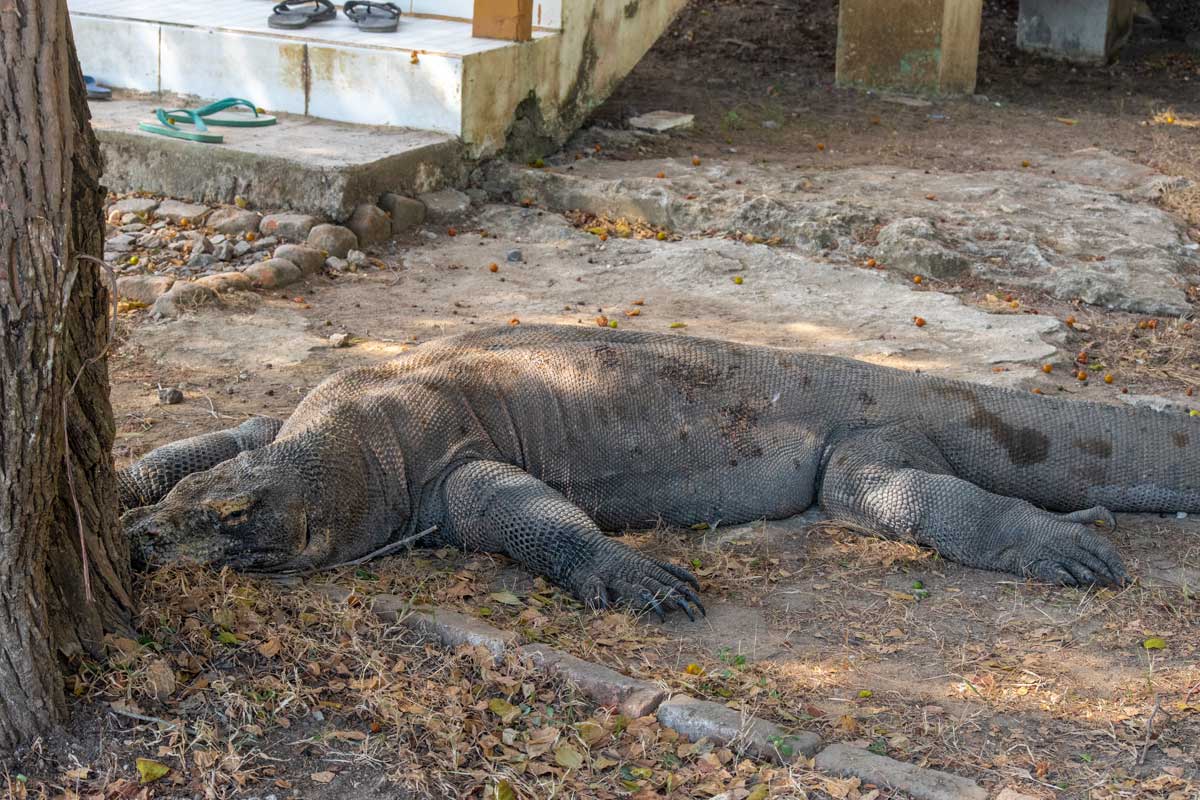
column 910, row 45
column 1087, row 31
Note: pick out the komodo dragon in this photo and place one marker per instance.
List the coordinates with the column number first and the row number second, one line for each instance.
column 531, row 440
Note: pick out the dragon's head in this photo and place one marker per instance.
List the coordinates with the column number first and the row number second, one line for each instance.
column 252, row 512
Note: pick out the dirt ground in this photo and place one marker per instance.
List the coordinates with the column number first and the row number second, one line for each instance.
column 242, row 688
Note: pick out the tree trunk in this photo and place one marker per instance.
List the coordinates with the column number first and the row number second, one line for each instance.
column 53, row 314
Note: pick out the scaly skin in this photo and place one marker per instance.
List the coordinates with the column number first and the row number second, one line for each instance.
column 531, row 440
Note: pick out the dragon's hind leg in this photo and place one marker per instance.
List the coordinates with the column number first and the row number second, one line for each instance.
column 894, row 482
column 500, row 508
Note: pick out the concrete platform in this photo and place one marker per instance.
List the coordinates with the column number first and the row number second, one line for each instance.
column 301, row 163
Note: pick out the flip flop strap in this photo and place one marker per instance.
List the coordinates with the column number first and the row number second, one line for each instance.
column 352, row 9
column 227, row 103
column 286, row 6
column 165, row 118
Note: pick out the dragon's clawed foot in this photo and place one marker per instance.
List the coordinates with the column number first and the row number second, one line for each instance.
column 1070, row 551
column 629, row 578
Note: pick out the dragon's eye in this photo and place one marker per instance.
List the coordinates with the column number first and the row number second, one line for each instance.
column 231, row 509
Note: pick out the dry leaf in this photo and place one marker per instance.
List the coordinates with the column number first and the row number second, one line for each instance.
column 322, row 777
column 149, row 771
column 567, row 756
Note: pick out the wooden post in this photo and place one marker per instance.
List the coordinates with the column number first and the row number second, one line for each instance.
column 504, row 19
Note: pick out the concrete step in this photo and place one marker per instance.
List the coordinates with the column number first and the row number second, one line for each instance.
column 311, row 165
column 419, row 76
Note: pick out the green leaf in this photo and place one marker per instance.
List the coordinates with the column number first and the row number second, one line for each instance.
column 506, row 597
column 503, row 709
column 502, row 791
column 568, row 757
column 1155, row 643
column 150, row 771
column 865, row 693
column 1085, row 758
column 641, row 773
column 225, row 637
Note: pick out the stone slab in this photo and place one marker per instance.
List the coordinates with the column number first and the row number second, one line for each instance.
column 702, row 719
column 1085, row 31
column 607, row 687
column 663, row 121
column 922, row 784
column 451, row 628
column 302, row 163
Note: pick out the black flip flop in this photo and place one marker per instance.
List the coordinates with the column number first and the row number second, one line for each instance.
column 289, row 17
column 373, row 17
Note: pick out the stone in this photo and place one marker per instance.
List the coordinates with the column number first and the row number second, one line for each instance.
column 181, row 297
column 122, row 243
column 407, row 212
column 333, row 239
column 242, row 248
column 911, row 246
column 224, row 251
column 226, row 282
column 232, row 220
column 356, row 258
column 335, row 264
column 133, row 227
column 144, row 289
column 514, row 257
column 448, row 205
column 170, row 396
column 139, row 206
column 703, row 719
column 451, row 628
column 339, row 340
column 309, row 259
column 1012, row 794
column 264, row 243
column 273, row 273
column 176, row 211
column 200, row 260
column 846, row 761
column 290, row 227
column 1021, row 227
column 631, row 697
column 370, row 224
column 663, row 121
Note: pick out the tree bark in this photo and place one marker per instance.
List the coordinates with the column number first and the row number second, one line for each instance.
column 53, row 315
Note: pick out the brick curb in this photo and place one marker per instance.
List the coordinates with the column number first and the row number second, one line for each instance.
column 919, row 782
column 607, row 687
column 702, row 719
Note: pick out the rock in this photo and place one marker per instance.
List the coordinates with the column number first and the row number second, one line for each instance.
column 181, row 297
column 264, row 243
column 905, row 100
column 242, row 248
column 477, row 196
column 232, row 220
column 201, row 260
column 631, row 697
column 662, row 121
column 845, row 761
column 122, row 243
column 356, row 257
column 370, row 224
column 1012, row 794
column 450, row 627
column 702, row 719
column 1018, row 227
column 144, row 289
column 911, row 246
column 335, row 264
column 448, row 205
column 770, row 124
column 170, row 396
column 176, row 211
column 333, row 239
column 159, row 675
column 226, row 282
column 291, row 227
column 339, row 340
column 127, row 219
column 514, row 256
column 308, row 259
column 133, row 227
column 273, row 273
column 139, row 206
column 407, row 213
column 224, row 252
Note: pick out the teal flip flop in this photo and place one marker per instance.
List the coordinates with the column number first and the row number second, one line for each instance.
column 168, row 127
column 212, row 114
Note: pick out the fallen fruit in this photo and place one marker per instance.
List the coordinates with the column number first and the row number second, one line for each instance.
column 919, row 322
column 737, row 279
column 493, row 267
column 916, row 279
column 1108, row 378
column 695, row 161
column 661, row 175
column 1047, row 368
